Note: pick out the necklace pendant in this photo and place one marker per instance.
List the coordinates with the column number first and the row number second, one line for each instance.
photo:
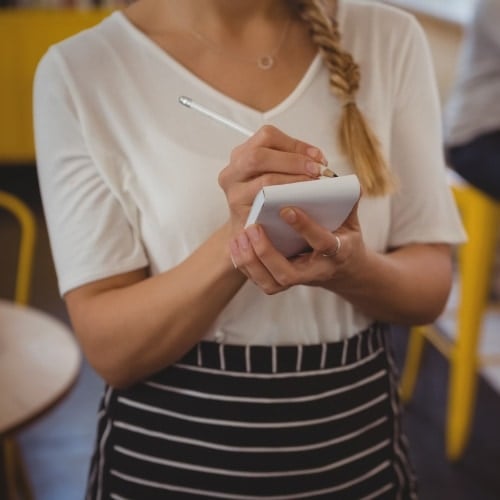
column 265, row 62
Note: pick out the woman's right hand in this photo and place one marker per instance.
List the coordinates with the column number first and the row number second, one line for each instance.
column 268, row 157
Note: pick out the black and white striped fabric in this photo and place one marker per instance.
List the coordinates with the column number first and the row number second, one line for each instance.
column 259, row 422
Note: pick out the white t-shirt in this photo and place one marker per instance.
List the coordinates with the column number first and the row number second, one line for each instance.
column 129, row 177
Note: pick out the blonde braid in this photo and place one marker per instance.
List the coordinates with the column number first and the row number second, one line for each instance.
column 356, row 139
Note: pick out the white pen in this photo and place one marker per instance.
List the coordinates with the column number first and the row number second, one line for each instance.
column 189, row 103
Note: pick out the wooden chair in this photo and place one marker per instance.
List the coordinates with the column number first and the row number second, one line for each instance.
column 481, row 218
column 39, row 359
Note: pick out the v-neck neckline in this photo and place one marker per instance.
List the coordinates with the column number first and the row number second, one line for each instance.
column 165, row 57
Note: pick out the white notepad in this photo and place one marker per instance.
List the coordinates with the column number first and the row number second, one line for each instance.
column 327, row 200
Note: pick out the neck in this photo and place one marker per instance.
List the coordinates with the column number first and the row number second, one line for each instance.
column 218, row 17
column 230, row 59
column 252, row 30
column 231, row 11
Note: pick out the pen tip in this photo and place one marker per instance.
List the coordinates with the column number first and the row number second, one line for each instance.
column 326, row 172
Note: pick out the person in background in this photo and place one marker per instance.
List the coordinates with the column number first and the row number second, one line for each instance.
column 232, row 371
column 472, row 113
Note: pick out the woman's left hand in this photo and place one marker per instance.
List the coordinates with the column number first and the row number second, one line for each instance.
column 332, row 255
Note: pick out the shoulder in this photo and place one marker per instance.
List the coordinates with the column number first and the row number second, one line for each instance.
column 87, row 49
column 109, row 30
column 377, row 33
column 379, row 10
column 90, row 61
column 360, row 15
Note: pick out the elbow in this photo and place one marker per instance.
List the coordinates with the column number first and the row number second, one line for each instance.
column 437, row 309
column 117, row 378
column 431, row 306
column 435, row 289
column 122, row 364
column 421, row 316
column 115, row 365
column 428, row 315
column 116, row 373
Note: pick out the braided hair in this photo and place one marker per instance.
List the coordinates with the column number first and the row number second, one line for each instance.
column 356, row 139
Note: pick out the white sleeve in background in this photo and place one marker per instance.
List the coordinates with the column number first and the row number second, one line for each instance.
column 473, row 106
column 487, row 20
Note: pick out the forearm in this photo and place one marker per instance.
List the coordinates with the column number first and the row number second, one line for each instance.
column 135, row 329
column 407, row 286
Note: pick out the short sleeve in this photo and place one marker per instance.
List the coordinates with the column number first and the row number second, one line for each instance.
column 91, row 235
column 423, row 210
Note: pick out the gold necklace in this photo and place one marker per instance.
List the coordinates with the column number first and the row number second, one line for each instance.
column 264, row 62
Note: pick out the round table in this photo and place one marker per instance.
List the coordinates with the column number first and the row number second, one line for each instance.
column 39, row 362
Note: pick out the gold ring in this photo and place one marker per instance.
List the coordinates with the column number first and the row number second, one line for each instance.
column 337, row 248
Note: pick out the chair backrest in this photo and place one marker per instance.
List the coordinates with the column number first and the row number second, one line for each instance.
column 27, row 224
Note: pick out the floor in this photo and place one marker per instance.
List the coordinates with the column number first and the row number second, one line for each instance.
column 57, row 448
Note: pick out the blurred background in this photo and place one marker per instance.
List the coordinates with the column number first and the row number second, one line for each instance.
column 450, row 370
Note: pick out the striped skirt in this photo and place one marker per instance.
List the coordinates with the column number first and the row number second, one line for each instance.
column 258, row 422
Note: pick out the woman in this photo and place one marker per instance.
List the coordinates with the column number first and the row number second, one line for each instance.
column 231, row 371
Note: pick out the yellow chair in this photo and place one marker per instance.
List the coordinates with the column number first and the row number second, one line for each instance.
column 39, row 358
column 481, row 217
column 26, row 244
column 15, row 474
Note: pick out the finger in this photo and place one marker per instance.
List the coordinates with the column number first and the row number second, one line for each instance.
column 263, row 161
column 276, row 264
column 245, row 259
column 250, row 162
column 273, row 138
column 266, row 167
column 333, row 252
column 352, row 220
column 270, row 150
column 322, row 241
column 306, row 268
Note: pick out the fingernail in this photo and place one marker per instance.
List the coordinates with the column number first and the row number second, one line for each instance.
column 314, row 153
column 313, row 168
column 234, row 252
column 233, row 248
column 288, row 215
column 253, row 233
column 243, row 242
column 317, row 155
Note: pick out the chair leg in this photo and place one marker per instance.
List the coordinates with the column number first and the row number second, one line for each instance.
column 412, row 363
column 17, row 485
column 475, row 263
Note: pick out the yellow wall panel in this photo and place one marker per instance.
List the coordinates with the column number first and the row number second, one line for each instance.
column 25, row 36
